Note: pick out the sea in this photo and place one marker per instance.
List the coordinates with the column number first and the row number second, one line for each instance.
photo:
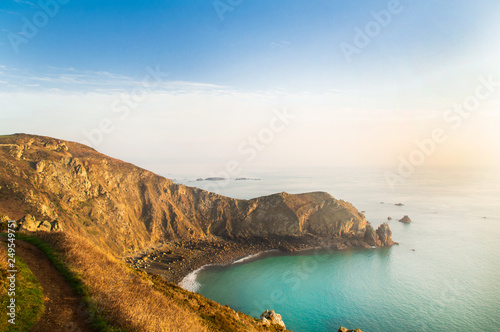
column 443, row 276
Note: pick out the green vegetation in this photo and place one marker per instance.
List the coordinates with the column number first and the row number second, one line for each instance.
column 29, row 295
column 97, row 318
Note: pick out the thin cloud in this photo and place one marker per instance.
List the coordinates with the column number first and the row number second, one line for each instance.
column 71, row 79
column 25, row 2
column 281, row 44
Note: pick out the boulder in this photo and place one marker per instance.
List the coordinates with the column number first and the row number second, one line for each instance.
column 56, row 226
column 44, row 226
column 405, row 220
column 385, row 234
column 272, row 318
column 28, row 223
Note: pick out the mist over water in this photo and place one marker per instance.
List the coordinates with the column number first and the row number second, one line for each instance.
column 442, row 277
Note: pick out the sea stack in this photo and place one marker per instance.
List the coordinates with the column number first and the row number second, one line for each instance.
column 380, row 237
column 405, row 220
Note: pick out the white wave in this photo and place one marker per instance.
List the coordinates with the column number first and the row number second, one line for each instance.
column 189, row 282
column 246, row 258
column 241, row 260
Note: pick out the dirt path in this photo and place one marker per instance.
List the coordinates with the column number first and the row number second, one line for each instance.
column 64, row 310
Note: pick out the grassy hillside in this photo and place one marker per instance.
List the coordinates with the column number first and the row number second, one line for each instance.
column 119, row 298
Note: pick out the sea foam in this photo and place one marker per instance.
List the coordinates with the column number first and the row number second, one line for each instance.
column 189, row 282
column 249, row 257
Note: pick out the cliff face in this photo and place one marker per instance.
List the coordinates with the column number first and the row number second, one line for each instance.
column 128, row 208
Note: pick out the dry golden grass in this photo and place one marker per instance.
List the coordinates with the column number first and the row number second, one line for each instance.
column 127, row 300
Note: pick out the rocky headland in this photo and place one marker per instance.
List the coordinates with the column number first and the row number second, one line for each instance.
column 128, row 209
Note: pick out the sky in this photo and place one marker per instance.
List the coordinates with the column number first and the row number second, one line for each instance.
column 230, row 86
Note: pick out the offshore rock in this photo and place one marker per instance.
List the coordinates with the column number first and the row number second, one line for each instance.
column 405, row 220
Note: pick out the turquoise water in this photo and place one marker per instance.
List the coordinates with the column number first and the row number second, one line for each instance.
column 444, row 275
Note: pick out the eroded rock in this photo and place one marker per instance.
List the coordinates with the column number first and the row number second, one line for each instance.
column 385, row 234
column 343, row 329
column 371, row 236
column 28, row 223
column 272, row 318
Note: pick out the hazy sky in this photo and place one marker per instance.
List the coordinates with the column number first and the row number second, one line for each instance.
column 234, row 85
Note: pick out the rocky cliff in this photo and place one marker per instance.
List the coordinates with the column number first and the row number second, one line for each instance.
column 127, row 208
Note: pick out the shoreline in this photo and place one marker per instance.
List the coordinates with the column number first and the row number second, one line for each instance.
column 176, row 261
column 189, row 282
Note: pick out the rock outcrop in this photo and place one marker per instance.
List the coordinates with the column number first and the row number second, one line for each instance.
column 30, row 224
column 405, row 220
column 385, row 234
column 272, row 318
column 128, row 208
column 343, row 329
column 371, row 236
column 381, row 237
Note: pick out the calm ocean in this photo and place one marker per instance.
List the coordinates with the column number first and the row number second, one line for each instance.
column 444, row 275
